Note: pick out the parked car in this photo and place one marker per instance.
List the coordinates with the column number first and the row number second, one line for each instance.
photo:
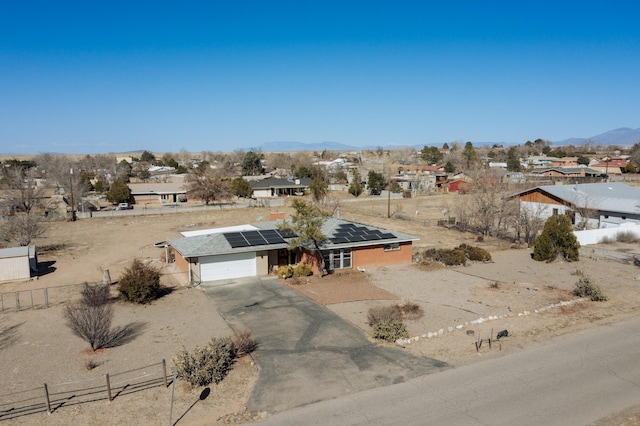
column 124, row 206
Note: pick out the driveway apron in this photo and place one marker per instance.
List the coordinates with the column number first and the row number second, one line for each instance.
column 306, row 353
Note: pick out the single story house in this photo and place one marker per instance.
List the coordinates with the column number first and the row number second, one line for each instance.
column 566, row 172
column 274, row 187
column 158, row 192
column 16, row 263
column 259, row 249
column 595, row 205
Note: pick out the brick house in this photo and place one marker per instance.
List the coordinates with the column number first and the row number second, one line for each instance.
column 259, row 249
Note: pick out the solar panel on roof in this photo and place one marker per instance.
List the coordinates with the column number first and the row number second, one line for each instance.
column 339, row 240
column 238, row 243
column 386, row 235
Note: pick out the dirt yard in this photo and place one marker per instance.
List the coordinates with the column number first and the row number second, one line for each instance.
column 505, row 293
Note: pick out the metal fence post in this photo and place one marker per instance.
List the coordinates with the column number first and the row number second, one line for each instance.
column 17, row 301
column 164, row 372
column 46, row 399
column 46, row 297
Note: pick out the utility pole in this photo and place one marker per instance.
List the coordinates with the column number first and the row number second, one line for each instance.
column 73, row 206
column 389, row 194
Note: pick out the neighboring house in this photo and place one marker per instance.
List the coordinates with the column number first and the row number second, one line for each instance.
column 613, row 167
column 579, row 172
column 274, row 187
column 154, row 192
column 258, row 249
column 16, row 263
column 596, row 205
column 459, row 185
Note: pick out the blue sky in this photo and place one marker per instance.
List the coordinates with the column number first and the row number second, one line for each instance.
column 97, row 77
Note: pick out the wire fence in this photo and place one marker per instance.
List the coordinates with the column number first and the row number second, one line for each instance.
column 39, row 298
column 50, row 398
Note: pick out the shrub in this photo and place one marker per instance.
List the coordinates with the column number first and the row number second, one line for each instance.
column 586, row 288
column 244, row 343
column 95, row 295
column 475, row 254
column 140, row 283
column 390, row 330
column 447, row 256
column 627, row 237
column 411, row 311
column 285, row 272
column 302, row 270
column 378, row 314
column 557, row 239
column 205, row 365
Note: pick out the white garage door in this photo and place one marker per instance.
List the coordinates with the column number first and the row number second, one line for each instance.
column 227, row 266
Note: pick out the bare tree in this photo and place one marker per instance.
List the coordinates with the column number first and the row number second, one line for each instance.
column 204, row 183
column 64, row 173
column 90, row 323
column 91, row 318
column 21, row 192
column 21, row 229
column 529, row 223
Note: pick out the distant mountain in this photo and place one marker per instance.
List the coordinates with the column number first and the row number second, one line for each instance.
column 288, row 146
column 623, row 136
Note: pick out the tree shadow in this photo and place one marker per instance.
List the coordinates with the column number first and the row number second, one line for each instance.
column 119, row 336
column 8, row 334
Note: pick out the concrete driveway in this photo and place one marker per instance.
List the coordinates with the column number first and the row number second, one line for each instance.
column 306, row 352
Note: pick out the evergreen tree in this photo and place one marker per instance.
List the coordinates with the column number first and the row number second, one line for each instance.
column 557, row 239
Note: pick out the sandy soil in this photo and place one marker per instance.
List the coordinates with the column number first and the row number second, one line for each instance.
column 43, row 350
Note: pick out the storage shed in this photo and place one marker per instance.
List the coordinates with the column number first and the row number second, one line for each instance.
column 16, row 263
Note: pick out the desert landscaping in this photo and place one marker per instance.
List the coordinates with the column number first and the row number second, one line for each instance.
column 462, row 306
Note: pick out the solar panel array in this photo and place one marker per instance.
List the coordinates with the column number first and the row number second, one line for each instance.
column 256, row 238
column 352, row 233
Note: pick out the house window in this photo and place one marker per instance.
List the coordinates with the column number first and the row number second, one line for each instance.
column 392, row 247
column 337, row 259
column 555, row 212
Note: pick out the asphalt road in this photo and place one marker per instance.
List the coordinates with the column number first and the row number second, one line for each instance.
column 574, row 380
column 306, row 353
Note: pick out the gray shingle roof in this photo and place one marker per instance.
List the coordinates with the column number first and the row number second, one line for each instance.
column 217, row 244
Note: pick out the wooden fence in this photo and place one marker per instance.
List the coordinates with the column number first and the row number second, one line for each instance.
column 50, row 398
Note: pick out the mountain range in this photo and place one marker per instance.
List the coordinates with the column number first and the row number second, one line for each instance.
column 623, row 137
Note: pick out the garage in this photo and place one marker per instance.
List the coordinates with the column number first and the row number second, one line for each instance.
column 226, row 266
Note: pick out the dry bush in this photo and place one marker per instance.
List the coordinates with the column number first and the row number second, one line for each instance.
column 244, row 343
column 140, row 283
column 378, row 314
column 390, row 330
column 95, row 294
column 627, row 237
column 208, row 364
column 285, row 272
column 449, row 257
column 90, row 364
column 586, row 288
column 411, row 311
column 475, row 254
column 302, row 270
